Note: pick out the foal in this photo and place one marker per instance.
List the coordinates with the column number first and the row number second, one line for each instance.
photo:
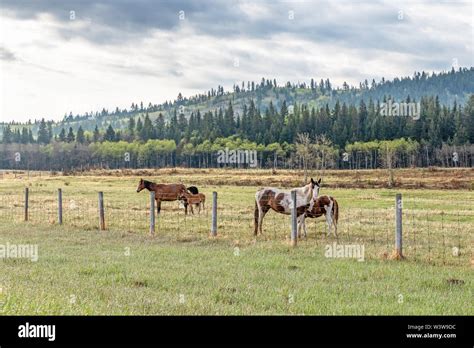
column 281, row 202
column 193, row 199
column 324, row 205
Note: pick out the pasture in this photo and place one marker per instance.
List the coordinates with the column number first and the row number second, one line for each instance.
column 181, row 270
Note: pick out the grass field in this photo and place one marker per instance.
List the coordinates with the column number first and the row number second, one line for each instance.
column 181, row 270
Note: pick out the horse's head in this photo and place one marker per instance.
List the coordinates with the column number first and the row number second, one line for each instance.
column 315, row 185
column 183, row 195
column 141, row 185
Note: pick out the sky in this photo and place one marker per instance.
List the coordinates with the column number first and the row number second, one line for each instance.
column 62, row 56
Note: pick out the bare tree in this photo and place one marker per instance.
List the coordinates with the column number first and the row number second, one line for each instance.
column 303, row 150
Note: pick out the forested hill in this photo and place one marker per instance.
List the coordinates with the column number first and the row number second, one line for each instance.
column 450, row 87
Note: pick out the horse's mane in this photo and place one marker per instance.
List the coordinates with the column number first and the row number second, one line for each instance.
column 148, row 183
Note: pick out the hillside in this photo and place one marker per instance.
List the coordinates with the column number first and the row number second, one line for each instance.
column 450, row 87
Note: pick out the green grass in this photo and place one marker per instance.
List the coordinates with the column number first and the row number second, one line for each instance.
column 183, row 271
column 208, row 277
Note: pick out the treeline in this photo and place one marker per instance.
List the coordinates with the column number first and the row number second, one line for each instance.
column 305, row 153
column 351, row 136
column 343, row 124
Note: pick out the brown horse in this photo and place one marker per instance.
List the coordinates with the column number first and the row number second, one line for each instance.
column 323, row 205
column 193, row 199
column 163, row 192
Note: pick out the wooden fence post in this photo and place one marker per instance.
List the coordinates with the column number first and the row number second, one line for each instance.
column 60, row 206
column 101, row 211
column 26, row 203
column 214, row 214
column 294, row 225
column 398, row 228
column 152, row 212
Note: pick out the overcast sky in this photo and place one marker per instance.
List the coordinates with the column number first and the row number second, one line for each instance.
column 61, row 56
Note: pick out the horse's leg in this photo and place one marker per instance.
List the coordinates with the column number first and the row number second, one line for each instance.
column 158, row 206
column 304, row 226
column 256, row 218
column 329, row 224
column 329, row 219
column 265, row 210
column 300, row 222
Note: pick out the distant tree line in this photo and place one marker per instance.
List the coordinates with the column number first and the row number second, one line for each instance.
column 304, row 154
column 441, row 135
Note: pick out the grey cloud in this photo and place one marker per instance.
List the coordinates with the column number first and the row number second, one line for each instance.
column 367, row 28
column 358, row 24
column 7, row 55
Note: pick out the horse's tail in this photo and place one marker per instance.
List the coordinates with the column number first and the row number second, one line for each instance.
column 256, row 213
column 336, row 210
column 193, row 189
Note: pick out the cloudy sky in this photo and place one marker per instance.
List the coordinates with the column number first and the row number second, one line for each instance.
column 61, row 55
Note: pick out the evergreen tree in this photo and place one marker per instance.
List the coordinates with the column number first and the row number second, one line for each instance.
column 43, row 135
column 24, row 135
column 96, row 135
column 50, row 132
column 70, row 136
column 131, row 126
column 139, row 126
column 109, row 134
column 229, row 122
column 31, row 140
column 80, row 136
column 7, row 134
column 469, row 118
column 160, row 126
column 147, row 132
column 62, row 135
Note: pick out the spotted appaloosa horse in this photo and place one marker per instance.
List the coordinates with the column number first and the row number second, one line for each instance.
column 323, row 205
column 163, row 192
column 280, row 201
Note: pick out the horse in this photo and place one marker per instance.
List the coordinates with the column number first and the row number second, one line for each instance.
column 194, row 199
column 280, row 201
column 324, row 205
column 163, row 192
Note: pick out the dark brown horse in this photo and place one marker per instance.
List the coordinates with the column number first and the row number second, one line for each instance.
column 163, row 192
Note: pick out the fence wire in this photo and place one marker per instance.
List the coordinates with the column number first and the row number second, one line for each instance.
column 435, row 236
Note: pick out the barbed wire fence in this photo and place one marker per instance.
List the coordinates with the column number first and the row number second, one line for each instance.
column 440, row 235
